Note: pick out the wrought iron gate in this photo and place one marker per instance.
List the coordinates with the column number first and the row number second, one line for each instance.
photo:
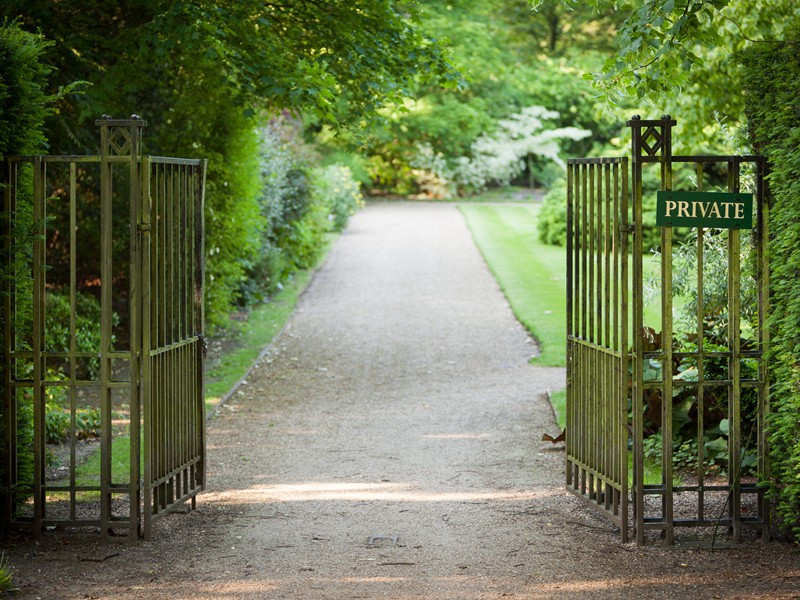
column 132, row 227
column 621, row 366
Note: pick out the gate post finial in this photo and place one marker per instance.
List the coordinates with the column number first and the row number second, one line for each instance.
column 121, row 137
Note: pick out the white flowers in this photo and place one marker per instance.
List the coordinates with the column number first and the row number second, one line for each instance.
column 500, row 157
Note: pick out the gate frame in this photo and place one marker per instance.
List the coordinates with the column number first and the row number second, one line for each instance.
column 652, row 143
column 120, row 144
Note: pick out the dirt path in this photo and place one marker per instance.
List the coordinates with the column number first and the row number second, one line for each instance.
column 389, row 448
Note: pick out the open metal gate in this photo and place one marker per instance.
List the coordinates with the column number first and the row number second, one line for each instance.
column 102, row 321
column 696, row 458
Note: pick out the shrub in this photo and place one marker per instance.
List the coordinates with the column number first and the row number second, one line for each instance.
column 23, row 108
column 497, row 158
column 551, row 223
column 335, row 187
column 57, row 423
column 771, row 81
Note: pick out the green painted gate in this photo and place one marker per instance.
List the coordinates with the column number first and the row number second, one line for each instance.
column 695, row 460
column 102, row 323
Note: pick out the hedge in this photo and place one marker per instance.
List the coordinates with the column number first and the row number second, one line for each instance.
column 771, row 84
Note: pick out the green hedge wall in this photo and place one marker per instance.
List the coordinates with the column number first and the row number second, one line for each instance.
column 23, row 108
column 771, row 83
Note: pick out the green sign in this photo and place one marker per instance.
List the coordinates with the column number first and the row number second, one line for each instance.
column 725, row 210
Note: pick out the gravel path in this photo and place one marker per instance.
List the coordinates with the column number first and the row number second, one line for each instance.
column 389, row 447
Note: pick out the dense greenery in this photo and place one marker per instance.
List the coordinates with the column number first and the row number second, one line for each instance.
column 682, row 54
column 208, row 75
column 441, row 141
column 771, row 78
column 23, row 108
column 439, row 98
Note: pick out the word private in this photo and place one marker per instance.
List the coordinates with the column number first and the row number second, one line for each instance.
column 724, row 210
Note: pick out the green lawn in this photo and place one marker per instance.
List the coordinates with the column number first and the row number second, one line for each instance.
column 530, row 273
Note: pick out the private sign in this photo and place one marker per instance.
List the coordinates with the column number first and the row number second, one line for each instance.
column 725, row 210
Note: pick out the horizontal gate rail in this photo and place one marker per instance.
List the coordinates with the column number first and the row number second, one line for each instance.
column 597, row 334
column 110, row 500
column 606, row 351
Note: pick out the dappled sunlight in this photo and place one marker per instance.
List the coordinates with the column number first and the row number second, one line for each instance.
column 648, row 583
column 356, row 492
column 457, row 436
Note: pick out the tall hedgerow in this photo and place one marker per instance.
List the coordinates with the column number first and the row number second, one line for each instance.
column 771, row 82
column 23, row 108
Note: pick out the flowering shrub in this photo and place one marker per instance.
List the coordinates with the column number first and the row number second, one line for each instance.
column 500, row 157
column 334, row 186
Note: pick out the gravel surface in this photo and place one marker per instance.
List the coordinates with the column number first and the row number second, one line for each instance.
column 388, row 447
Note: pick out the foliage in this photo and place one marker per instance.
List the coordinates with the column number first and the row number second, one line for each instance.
column 551, row 225
column 87, row 326
column 6, row 579
column 335, row 188
column 771, row 78
column 57, row 423
column 201, row 71
column 23, row 107
column 511, row 59
column 500, row 157
column 23, row 101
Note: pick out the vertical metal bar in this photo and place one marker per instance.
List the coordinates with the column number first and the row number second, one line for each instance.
column 136, row 175
column 590, row 291
column 734, row 365
column 39, row 215
column 73, row 348
column 199, row 284
column 106, row 310
column 146, row 283
column 609, row 395
column 607, row 251
column 701, row 471
column 638, row 358
column 570, row 323
column 584, row 251
column 622, row 327
column 666, row 339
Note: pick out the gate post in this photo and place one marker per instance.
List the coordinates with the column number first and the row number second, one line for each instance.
column 644, row 150
column 120, row 143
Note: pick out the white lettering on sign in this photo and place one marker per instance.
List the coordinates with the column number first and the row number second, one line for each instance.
column 707, row 209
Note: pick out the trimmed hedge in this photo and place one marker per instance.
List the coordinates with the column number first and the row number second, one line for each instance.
column 771, row 82
column 23, row 108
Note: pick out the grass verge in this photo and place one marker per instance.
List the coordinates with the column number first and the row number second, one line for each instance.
column 264, row 322
column 530, row 273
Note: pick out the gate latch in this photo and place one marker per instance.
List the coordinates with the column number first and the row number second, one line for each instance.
column 203, row 342
column 629, row 228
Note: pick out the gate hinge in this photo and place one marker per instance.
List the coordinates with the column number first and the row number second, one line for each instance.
column 144, row 226
column 629, row 228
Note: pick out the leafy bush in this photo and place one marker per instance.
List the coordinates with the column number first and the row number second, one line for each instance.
column 57, row 423
column 299, row 205
column 771, row 78
column 87, row 325
column 551, row 224
column 335, row 187
column 497, row 158
column 23, row 109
